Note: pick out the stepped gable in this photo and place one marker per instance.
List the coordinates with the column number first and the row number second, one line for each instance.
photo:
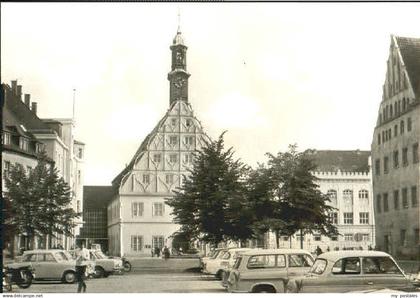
column 410, row 52
column 180, row 109
column 344, row 161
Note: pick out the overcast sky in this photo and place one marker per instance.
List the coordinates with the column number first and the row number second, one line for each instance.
column 271, row 74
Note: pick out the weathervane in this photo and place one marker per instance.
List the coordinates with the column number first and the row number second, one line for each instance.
column 179, row 20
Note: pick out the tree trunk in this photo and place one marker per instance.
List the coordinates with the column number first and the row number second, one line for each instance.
column 301, row 239
column 277, row 239
column 290, row 241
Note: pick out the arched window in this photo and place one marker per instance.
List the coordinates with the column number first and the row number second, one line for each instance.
column 363, row 194
column 348, row 196
column 395, row 108
column 402, row 127
column 390, row 111
column 332, row 194
column 403, row 104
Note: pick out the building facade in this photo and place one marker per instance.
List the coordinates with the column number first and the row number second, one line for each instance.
column 25, row 136
column 395, row 152
column 346, row 177
column 138, row 218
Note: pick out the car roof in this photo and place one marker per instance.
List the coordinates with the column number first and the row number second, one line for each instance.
column 275, row 251
column 335, row 255
column 42, row 251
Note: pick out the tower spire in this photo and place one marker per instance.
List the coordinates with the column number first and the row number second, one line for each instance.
column 179, row 21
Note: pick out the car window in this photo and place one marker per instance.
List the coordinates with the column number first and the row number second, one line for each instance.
column 281, row 261
column 300, row 260
column 60, row 256
column 68, row 255
column 49, row 258
column 221, row 254
column 262, row 261
column 226, row 256
column 319, row 266
column 29, row 258
column 347, row 266
column 237, row 262
column 379, row 265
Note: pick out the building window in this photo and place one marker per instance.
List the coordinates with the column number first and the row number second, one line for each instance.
column 402, row 127
column 405, row 156
column 137, row 209
column 348, row 237
column 378, row 203
column 416, row 153
column 334, row 218
column 404, row 198
column 385, row 198
column 409, row 124
column 188, row 122
column 396, row 199
column 379, row 138
column 6, row 138
column 173, row 122
column 364, row 218
column 80, row 153
column 363, row 194
column 78, row 206
column 189, row 140
column 414, row 197
column 377, row 167
column 317, row 237
column 157, row 157
column 136, row 243
column 365, row 237
column 188, row 158
column 169, row 178
column 158, row 241
column 348, row 218
column 79, row 177
column 6, row 168
column 386, row 165
column 396, row 159
column 146, row 178
column 173, row 140
column 158, row 209
column 173, row 158
column 334, row 238
column 298, row 237
column 332, row 194
column 23, row 144
column 396, row 130
column 348, row 196
column 403, row 238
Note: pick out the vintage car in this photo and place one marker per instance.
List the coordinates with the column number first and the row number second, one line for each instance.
column 351, row 271
column 50, row 264
column 105, row 265
column 213, row 254
column 268, row 271
column 213, row 265
column 227, row 264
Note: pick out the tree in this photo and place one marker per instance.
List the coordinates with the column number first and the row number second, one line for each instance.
column 211, row 205
column 301, row 205
column 39, row 201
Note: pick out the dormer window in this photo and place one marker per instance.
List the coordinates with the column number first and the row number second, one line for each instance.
column 23, row 144
column 80, row 153
column 188, row 122
column 6, row 138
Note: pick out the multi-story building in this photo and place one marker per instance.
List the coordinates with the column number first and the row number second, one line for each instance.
column 395, row 152
column 346, row 177
column 95, row 203
column 138, row 218
column 25, row 136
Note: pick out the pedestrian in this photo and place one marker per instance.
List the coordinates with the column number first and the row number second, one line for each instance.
column 59, row 246
column 157, row 251
column 328, row 248
column 152, row 252
column 318, row 251
column 82, row 255
column 166, row 252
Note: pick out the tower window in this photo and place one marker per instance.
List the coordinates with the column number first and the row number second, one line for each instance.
column 396, row 158
column 405, row 197
column 396, row 130
column 409, row 124
column 402, row 127
column 378, row 203
column 378, row 167
column 414, row 198
column 416, row 153
column 385, row 198
column 386, row 164
column 396, row 199
column 405, row 156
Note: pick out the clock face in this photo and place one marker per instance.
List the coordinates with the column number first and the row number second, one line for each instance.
column 179, row 82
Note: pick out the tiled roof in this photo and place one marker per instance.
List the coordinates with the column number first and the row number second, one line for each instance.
column 410, row 52
column 96, row 197
column 345, row 161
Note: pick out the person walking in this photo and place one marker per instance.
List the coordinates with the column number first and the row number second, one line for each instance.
column 318, row 251
column 166, row 252
column 82, row 255
column 157, row 251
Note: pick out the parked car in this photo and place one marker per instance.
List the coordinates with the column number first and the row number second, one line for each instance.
column 213, row 254
column 213, row 265
column 355, row 271
column 105, row 265
column 227, row 265
column 268, row 271
column 49, row 264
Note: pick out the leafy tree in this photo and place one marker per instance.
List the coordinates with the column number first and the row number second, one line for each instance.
column 39, row 201
column 301, row 205
column 211, row 205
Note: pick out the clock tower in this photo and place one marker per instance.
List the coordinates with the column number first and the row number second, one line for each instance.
column 178, row 77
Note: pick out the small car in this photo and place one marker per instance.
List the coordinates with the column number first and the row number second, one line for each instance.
column 268, row 271
column 105, row 265
column 50, row 264
column 227, row 265
column 213, row 265
column 213, row 254
column 350, row 271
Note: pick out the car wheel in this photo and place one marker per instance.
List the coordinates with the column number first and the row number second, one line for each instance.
column 264, row 289
column 99, row 272
column 69, row 277
column 127, row 266
column 219, row 274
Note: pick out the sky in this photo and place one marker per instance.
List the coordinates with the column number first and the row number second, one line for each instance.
column 270, row 74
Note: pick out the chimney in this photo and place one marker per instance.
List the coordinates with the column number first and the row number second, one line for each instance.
column 14, row 83
column 19, row 91
column 34, row 104
column 27, row 100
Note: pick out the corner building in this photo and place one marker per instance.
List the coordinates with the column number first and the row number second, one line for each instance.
column 138, row 218
column 395, row 152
